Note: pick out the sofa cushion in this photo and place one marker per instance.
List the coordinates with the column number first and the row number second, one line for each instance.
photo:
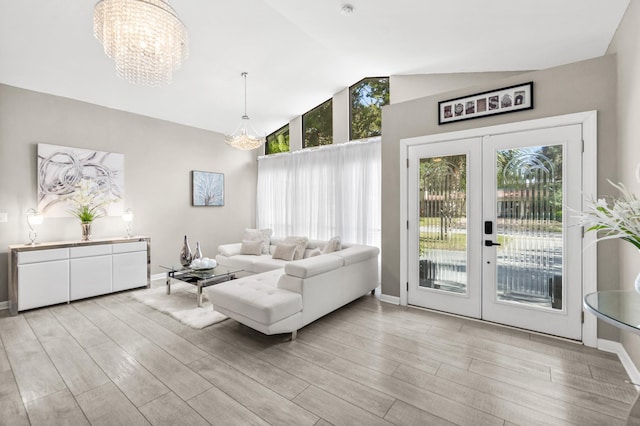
column 256, row 297
column 301, row 245
column 251, row 247
column 312, row 252
column 266, row 263
column 230, row 249
column 313, row 266
column 332, row 245
column 284, row 251
column 263, row 235
column 240, row 261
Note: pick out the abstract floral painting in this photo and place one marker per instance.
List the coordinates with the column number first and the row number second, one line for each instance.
column 61, row 170
column 207, row 188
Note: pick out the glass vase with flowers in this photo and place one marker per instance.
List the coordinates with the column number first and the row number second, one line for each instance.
column 88, row 202
column 615, row 218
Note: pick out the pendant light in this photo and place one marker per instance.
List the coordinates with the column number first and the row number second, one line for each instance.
column 243, row 137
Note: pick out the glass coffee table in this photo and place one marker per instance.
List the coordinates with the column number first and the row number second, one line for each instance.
column 200, row 278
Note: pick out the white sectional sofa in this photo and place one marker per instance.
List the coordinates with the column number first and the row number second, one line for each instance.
column 284, row 296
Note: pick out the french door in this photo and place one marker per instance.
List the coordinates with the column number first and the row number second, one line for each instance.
column 494, row 236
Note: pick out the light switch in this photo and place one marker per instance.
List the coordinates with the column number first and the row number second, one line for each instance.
column 4, row 217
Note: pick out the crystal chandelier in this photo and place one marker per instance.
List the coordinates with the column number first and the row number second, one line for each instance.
column 145, row 38
column 242, row 137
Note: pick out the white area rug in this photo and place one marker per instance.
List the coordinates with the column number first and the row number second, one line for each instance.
column 182, row 304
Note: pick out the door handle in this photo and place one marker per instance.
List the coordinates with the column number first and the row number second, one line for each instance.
column 489, row 243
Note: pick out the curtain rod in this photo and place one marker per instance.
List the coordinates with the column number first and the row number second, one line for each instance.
column 322, row 147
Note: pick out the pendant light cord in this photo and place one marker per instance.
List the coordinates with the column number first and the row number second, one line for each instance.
column 245, row 116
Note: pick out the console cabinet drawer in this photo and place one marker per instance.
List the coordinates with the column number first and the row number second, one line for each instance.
column 87, row 251
column 42, row 255
column 129, row 247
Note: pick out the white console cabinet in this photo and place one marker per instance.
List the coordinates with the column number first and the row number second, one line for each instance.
column 50, row 273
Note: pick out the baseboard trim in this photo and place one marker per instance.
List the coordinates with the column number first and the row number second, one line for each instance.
column 4, row 305
column 625, row 359
column 394, row 300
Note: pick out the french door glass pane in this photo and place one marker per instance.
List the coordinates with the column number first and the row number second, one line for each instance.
column 443, row 223
column 529, row 226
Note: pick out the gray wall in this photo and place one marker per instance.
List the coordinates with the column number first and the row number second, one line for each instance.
column 582, row 86
column 408, row 87
column 625, row 45
column 158, row 159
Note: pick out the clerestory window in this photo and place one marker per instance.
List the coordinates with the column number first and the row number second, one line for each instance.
column 366, row 99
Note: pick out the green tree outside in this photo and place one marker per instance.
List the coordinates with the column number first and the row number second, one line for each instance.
column 366, row 100
column 317, row 125
column 278, row 141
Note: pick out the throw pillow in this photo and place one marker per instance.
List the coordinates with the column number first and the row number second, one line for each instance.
column 315, row 252
column 251, row 247
column 332, row 245
column 300, row 243
column 263, row 235
column 284, row 251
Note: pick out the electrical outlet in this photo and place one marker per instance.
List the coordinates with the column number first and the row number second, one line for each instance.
column 4, row 217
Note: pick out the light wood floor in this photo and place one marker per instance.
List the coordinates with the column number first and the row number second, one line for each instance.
column 112, row 360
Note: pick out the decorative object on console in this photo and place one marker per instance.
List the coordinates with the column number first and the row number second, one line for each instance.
column 88, row 202
column 62, row 169
column 86, row 231
column 615, row 218
column 33, row 218
column 263, row 235
column 185, row 253
column 127, row 216
column 145, row 38
column 207, row 188
column 243, row 137
column 500, row 101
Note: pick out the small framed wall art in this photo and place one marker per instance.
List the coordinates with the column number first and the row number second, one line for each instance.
column 207, row 188
column 500, row 101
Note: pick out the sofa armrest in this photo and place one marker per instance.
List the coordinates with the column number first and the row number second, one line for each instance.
column 229, row 249
column 312, row 266
column 356, row 253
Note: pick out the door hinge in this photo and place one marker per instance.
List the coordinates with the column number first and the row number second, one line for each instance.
column 407, row 163
column 407, row 285
column 582, row 228
column 407, row 224
column 582, row 317
column 583, row 145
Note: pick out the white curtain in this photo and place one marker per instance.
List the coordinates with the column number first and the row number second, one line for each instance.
column 324, row 192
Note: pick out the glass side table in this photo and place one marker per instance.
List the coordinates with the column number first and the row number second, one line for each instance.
column 620, row 308
column 200, row 277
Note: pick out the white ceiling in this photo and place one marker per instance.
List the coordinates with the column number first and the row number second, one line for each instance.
column 298, row 53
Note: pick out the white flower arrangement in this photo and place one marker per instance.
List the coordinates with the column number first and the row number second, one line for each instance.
column 614, row 217
column 89, row 201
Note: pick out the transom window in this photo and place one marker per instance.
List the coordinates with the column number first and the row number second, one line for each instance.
column 317, row 125
column 366, row 99
column 278, row 141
